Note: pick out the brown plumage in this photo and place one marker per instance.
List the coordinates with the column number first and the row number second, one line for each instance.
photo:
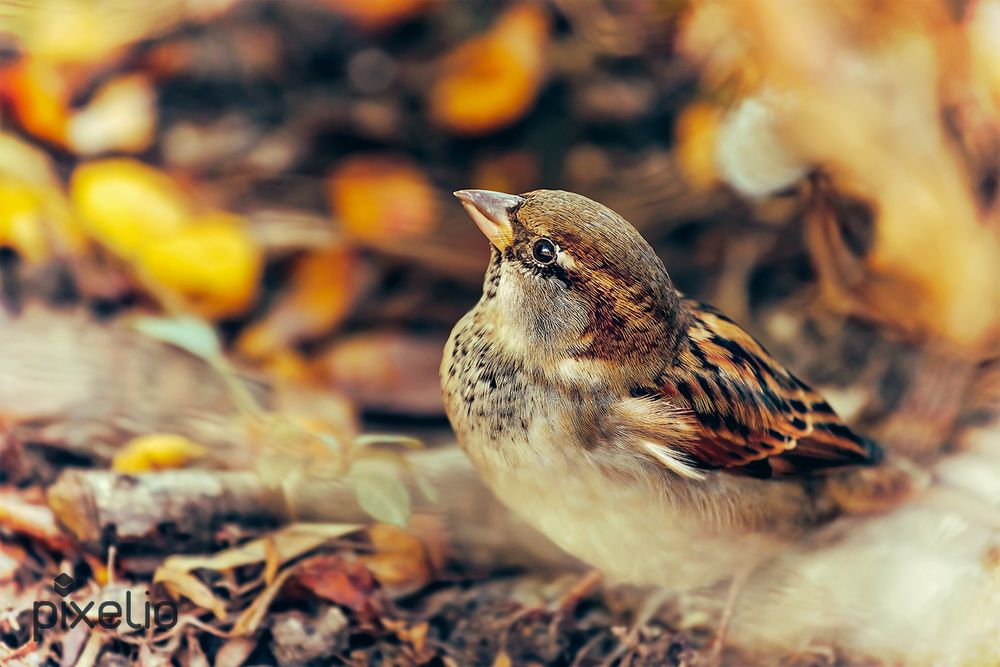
column 643, row 431
column 752, row 415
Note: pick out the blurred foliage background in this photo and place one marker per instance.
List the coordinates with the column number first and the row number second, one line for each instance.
column 826, row 173
column 283, row 169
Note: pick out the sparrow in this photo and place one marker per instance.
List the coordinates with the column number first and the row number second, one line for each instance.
column 642, row 431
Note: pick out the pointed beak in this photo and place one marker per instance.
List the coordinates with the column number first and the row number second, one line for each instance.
column 491, row 212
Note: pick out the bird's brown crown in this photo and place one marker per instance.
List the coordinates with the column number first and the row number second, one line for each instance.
column 633, row 308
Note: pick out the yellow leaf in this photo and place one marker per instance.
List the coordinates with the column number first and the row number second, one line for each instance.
column 697, row 132
column 126, row 205
column 251, row 617
column 33, row 192
column 98, row 568
column 157, row 452
column 213, row 265
column 182, row 583
column 26, row 162
column 283, row 545
column 22, row 225
column 272, row 561
column 69, row 32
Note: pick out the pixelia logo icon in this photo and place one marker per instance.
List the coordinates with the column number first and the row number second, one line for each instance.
column 108, row 613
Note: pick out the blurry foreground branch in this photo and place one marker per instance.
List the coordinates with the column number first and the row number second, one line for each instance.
column 181, row 510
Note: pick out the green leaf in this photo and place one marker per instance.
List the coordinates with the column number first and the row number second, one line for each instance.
column 188, row 333
column 381, row 492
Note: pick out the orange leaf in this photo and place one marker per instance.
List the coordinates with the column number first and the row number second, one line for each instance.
column 492, row 80
column 382, row 198
column 39, row 97
column 399, row 561
column 697, row 133
column 319, row 294
column 376, row 14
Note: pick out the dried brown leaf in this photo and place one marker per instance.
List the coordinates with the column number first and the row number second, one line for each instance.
column 281, row 546
column 345, row 582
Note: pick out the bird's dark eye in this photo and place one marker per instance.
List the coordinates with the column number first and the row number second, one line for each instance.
column 544, row 251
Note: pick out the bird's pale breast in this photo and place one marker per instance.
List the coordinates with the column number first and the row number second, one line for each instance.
column 634, row 523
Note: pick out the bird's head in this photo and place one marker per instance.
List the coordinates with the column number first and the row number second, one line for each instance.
column 572, row 284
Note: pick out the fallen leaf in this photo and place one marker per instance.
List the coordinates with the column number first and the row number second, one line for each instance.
column 180, row 583
column 148, row 657
column 983, row 26
column 272, row 561
column 341, row 581
column 70, row 33
column 22, row 221
column 212, row 265
column 399, row 562
column 697, row 131
column 126, row 205
column 319, row 293
column 902, row 160
column 289, row 542
column 415, row 635
column 25, row 161
column 99, row 571
column 36, row 219
column 491, row 81
column 282, row 545
column 382, row 198
column 34, row 519
column 39, row 97
column 72, row 643
column 161, row 451
column 250, row 619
